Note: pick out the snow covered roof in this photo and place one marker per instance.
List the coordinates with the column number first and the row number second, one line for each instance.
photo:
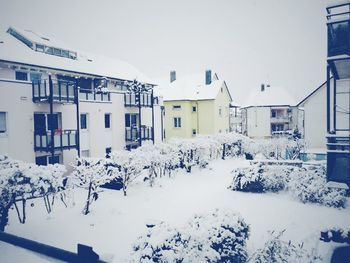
column 271, row 96
column 190, row 87
column 14, row 50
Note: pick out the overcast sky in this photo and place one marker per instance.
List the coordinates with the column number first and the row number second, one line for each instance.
column 246, row 42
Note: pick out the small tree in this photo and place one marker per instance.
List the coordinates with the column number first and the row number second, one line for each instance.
column 90, row 174
column 128, row 165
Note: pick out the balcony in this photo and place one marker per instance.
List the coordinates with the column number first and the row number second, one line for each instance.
column 88, row 95
column 62, row 91
column 280, row 119
column 132, row 133
column 131, row 100
column 338, row 158
column 63, row 140
column 338, row 31
column 338, row 25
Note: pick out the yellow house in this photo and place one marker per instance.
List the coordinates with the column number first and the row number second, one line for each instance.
column 195, row 105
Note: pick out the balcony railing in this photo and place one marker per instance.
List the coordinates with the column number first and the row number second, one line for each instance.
column 338, row 158
column 62, row 91
column 86, row 95
column 132, row 133
column 131, row 100
column 62, row 140
column 338, row 25
column 280, row 119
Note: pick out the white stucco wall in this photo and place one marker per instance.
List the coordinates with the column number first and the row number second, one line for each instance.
column 258, row 122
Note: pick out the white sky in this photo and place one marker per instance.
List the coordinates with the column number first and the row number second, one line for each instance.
column 246, row 41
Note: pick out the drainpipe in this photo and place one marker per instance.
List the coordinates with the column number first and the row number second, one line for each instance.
column 152, row 103
column 52, row 148
column 76, row 90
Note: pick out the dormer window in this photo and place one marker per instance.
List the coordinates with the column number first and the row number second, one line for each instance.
column 39, row 47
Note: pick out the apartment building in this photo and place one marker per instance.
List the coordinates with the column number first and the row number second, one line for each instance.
column 196, row 104
column 270, row 111
column 57, row 103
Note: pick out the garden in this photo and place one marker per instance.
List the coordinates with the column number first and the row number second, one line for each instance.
column 222, row 198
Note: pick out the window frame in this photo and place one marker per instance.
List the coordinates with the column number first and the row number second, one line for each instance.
column 107, row 120
column 177, row 123
column 4, row 132
column 21, row 72
column 86, row 122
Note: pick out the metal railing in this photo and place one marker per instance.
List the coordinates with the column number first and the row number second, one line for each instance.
column 338, row 158
column 66, row 139
column 89, row 95
column 62, row 91
column 131, row 100
column 338, row 25
column 132, row 133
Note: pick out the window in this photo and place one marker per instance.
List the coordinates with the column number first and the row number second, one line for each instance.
column 194, row 108
column 131, row 120
column 108, row 151
column 21, row 75
column 273, row 113
column 107, row 120
column 83, row 121
column 176, row 107
column 3, row 122
column 177, row 122
column 277, row 127
column 194, row 132
column 36, row 77
column 85, row 153
column 40, row 48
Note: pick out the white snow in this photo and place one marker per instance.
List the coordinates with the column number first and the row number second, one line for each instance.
column 189, row 87
column 15, row 51
column 271, row 96
column 116, row 221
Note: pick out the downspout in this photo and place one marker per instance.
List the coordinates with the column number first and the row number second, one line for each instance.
column 78, row 117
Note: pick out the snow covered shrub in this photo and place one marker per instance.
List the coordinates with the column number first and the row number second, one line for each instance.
column 128, row 165
column 308, row 184
column 336, row 234
column 274, row 148
column 21, row 181
column 260, row 178
column 277, row 250
column 216, row 237
column 90, row 174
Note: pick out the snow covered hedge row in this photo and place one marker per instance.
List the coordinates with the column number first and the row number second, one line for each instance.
column 216, row 237
column 20, row 181
column 278, row 250
column 307, row 183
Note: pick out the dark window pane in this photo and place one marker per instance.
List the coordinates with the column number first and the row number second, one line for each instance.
column 21, row 75
column 83, row 121
column 107, row 120
column 127, row 120
column 42, row 160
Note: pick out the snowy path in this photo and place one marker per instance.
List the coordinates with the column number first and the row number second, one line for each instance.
column 116, row 221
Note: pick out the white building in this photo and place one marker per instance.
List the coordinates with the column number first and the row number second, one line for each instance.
column 268, row 111
column 49, row 92
column 315, row 116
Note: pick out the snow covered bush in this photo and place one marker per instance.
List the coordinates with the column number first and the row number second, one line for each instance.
column 260, row 178
column 308, row 184
column 278, row 148
column 90, row 174
column 277, row 250
column 216, row 237
column 20, row 181
column 336, row 234
column 128, row 165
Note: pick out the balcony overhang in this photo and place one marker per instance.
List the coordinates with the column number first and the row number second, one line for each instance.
column 340, row 66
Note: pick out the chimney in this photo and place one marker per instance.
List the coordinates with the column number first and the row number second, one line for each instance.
column 172, row 76
column 208, row 77
column 262, row 87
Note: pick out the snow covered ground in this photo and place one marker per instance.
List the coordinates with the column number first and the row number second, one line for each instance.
column 116, row 221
